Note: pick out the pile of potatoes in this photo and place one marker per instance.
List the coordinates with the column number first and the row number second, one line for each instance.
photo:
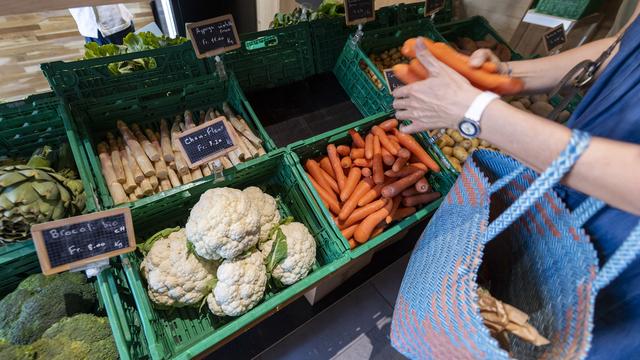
column 382, row 61
column 467, row 46
column 537, row 104
column 457, row 148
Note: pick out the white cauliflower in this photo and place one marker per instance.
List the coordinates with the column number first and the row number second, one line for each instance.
column 174, row 276
column 300, row 254
column 266, row 204
column 224, row 223
column 240, row 286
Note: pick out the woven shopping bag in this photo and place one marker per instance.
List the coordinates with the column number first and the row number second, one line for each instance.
column 505, row 217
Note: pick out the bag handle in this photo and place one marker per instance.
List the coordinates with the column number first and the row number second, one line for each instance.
column 578, row 143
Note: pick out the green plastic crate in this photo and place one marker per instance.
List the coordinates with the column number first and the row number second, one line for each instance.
column 85, row 79
column 415, row 11
column 571, row 9
column 272, row 58
column 186, row 332
column 25, row 126
column 90, row 119
column 475, row 28
column 316, row 147
column 368, row 97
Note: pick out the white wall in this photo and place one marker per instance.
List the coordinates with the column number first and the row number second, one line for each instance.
column 503, row 15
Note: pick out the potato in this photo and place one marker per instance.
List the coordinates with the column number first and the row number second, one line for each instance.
column 467, row 44
column 525, row 101
column 466, row 144
column 503, row 53
column 539, row 97
column 484, row 143
column 457, row 137
column 564, row 116
column 447, row 150
column 445, row 140
column 475, row 142
column 490, row 41
column 518, row 104
column 455, row 163
column 541, row 108
column 484, row 44
column 460, row 153
column 449, row 132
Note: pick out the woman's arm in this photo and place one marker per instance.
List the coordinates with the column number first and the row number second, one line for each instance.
column 608, row 170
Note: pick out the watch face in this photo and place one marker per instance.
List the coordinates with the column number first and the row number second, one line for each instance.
column 469, row 128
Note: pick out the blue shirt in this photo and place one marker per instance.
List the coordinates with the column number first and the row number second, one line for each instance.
column 611, row 109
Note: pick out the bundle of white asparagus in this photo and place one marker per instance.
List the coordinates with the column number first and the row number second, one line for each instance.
column 142, row 162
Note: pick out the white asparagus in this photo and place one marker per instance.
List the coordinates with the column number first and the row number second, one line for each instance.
column 138, row 175
column 146, row 187
column 152, row 153
column 173, row 178
column 196, row 174
column 186, row 178
column 153, row 181
column 115, row 188
column 241, row 151
column 136, row 149
column 261, row 151
column 132, row 197
column 210, row 114
column 160, row 166
column 249, row 146
column 130, row 184
column 188, row 120
column 115, row 159
column 165, row 141
column 226, row 163
column 172, row 165
column 203, row 115
column 206, row 170
column 138, row 192
column 233, row 119
column 233, row 156
column 249, row 134
column 165, row 184
column 181, row 164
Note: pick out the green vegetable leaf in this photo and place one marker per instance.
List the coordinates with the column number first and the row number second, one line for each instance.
column 146, row 246
column 278, row 251
column 286, row 221
column 133, row 42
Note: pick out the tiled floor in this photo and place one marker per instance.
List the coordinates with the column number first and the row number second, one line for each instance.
column 354, row 328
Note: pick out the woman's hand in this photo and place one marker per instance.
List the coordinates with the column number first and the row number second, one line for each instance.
column 479, row 57
column 438, row 102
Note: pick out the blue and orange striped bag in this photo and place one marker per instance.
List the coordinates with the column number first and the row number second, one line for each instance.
column 505, row 224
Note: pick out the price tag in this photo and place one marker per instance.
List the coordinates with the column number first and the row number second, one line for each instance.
column 392, row 81
column 554, row 38
column 432, row 6
column 359, row 11
column 206, row 142
column 214, row 36
column 74, row 242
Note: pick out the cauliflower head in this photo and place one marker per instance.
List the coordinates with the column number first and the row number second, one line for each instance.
column 240, row 286
column 268, row 209
column 224, row 223
column 300, row 255
column 174, row 276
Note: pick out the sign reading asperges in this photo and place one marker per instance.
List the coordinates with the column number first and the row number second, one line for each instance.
column 392, row 81
column 207, row 142
column 79, row 241
column 554, row 38
column 359, row 11
column 214, row 36
column 433, row 6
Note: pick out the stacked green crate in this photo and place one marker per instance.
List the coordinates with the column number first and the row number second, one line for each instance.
column 317, row 147
column 415, row 11
column 571, row 9
column 374, row 97
column 26, row 126
column 183, row 333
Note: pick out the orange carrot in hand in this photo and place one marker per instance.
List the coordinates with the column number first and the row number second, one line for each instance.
column 408, row 142
column 332, row 152
column 404, row 74
column 356, row 139
column 351, row 183
column 418, row 69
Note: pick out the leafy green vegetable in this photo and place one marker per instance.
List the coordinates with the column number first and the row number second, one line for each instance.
column 146, row 246
column 328, row 9
column 278, row 251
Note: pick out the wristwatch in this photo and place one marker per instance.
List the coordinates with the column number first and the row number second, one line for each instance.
column 470, row 125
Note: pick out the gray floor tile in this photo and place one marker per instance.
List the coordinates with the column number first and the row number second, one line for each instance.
column 364, row 315
column 389, row 280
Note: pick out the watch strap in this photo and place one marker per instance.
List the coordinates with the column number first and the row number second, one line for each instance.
column 479, row 104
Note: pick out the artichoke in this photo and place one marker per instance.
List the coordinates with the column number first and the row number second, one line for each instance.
column 34, row 193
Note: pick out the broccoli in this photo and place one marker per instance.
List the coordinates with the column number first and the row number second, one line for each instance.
column 40, row 301
column 9, row 351
column 91, row 330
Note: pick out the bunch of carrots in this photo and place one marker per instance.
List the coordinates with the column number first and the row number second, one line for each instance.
column 377, row 180
column 138, row 162
column 484, row 78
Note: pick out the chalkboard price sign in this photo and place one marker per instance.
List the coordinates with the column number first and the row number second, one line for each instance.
column 392, row 81
column 359, row 11
column 554, row 38
column 207, row 142
column 214, row 36
column 74, row 242
column 433, row 6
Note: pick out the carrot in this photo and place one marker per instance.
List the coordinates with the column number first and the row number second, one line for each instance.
column 357, row 153
column 405, row 171
column 332, row 182
column 316, row 173
column 416, row 67
column 348, row 232
column 408, row 142
column 332, row 152
column 352, row 244
column 420, row 199
column 365, row 211
column 396, row 204
column 366, row 172
column 422, row 186
column 357, row 140
column 368, row 147
column 343, row 150
column 401, row 185
column 401, row 161
column 408, row 50
column 389, row 125
column 384, row 140
column 372, row 194
column 404, row 74
column 325, row 164
column 403, row 213
column 365, row 229
column 377, row 168
column 411, row 192
column 345, row 162
column 351, row 183
column 325, row 196
column 377, row 231
column 387, row 158
column 362, row 163
column 347, row 208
